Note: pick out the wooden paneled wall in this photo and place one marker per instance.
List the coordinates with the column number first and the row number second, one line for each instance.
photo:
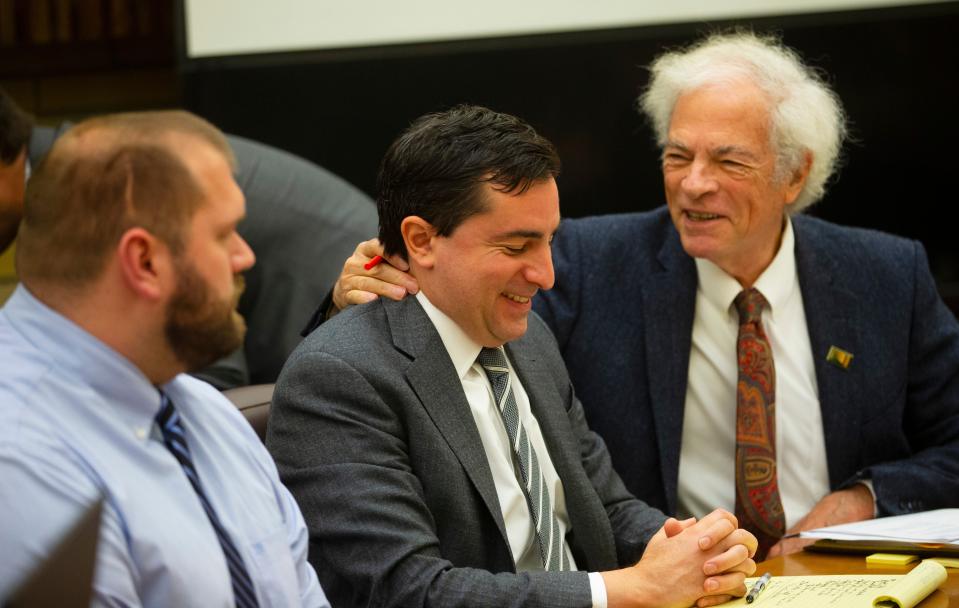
column 66, row 59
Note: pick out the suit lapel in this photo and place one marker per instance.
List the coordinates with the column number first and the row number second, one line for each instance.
column 434, row 380
column 669, row 302
column 588, row 519
column 831, row 313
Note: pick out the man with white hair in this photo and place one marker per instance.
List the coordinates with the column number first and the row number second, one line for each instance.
column 731, row 351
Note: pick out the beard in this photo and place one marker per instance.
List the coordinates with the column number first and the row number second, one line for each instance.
column 199, row 327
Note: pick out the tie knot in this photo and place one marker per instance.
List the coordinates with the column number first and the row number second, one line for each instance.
column 168, row 419
column 749, row 303
column 493, row 360
column 167, row 411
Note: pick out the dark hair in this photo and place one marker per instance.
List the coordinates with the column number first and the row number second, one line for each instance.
column 16, row 126
column 435, row 168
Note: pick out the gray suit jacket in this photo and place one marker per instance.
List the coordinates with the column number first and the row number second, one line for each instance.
column 301, row 222
column 372, row 433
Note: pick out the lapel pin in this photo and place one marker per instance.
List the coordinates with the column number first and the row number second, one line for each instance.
column 839, row 357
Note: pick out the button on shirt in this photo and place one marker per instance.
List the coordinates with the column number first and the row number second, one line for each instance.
column 463, row 351
column 707, row 465
column 77, row 422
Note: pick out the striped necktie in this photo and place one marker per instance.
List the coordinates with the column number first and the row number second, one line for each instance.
column 173, row 436
column 550, row 540
column 758, row 506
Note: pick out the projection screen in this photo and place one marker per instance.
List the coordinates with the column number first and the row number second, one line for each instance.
column 238, row 27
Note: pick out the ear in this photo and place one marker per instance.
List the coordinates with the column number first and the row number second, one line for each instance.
column 145, row 263
column 418, row 235
column 797, row 179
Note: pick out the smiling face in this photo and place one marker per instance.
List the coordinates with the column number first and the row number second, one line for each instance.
column 719, row 169
column 486, row 272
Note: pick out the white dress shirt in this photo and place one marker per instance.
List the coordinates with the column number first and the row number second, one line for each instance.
column 463, row 351
column 707, row 464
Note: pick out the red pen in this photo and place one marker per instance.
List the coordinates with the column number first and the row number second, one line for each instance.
column 376, row 260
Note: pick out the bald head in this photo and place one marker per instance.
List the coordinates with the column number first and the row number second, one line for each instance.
column 165, row 128
column 103, row 177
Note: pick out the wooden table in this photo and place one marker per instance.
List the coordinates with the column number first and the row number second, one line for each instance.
column 806, row 563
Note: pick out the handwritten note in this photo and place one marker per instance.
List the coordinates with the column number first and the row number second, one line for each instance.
column 849, row 590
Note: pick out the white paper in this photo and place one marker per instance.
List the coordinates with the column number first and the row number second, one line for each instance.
column 934, row 527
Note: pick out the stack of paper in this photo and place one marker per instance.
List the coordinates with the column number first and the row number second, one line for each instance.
column 930, row 531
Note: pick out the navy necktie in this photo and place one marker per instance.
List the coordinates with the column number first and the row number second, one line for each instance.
column 173, row 436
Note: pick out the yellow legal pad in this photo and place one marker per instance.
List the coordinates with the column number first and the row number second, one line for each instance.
column 849, row 590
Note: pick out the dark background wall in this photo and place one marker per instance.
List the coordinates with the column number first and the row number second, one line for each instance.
column 897, row 71
column 67, row 59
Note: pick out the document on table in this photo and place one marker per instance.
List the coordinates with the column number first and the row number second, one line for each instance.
column 849, row 590
column 929, row 527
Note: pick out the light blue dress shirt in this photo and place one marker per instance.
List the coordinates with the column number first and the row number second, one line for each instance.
column 77, row 422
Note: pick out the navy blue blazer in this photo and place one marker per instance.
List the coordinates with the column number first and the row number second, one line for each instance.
column 622, row 311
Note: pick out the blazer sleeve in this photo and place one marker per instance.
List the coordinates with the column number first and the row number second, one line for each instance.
column 342, row 450
column 633, row 522
column 929, row 478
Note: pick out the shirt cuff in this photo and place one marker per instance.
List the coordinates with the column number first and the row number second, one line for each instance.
column 875, row 504
column 597, row 589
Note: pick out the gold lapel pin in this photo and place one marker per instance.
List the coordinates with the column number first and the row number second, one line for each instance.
column 839, row 357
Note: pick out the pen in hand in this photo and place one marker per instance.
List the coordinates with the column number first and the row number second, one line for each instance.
column 758, row 586
column 373, row 262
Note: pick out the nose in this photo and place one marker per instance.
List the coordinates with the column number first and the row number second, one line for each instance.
column 699, row 180
column 242, row 257
column 539, row 271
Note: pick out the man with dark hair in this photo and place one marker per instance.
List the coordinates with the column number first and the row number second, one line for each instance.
column 435, row 443
column 15, row 128
column 130, row 266
column 301, row 222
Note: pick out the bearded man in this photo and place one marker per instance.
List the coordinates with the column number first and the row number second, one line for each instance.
column 130, row 265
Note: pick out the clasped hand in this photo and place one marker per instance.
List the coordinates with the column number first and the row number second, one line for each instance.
column 687, row 562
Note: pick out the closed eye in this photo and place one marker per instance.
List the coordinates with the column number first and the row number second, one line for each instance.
column 736, row 168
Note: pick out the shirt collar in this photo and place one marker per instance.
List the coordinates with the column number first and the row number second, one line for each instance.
column 776, row 283
column 462, row 349
column 72, row 351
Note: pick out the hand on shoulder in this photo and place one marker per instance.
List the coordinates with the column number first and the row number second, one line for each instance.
column 358, row 285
